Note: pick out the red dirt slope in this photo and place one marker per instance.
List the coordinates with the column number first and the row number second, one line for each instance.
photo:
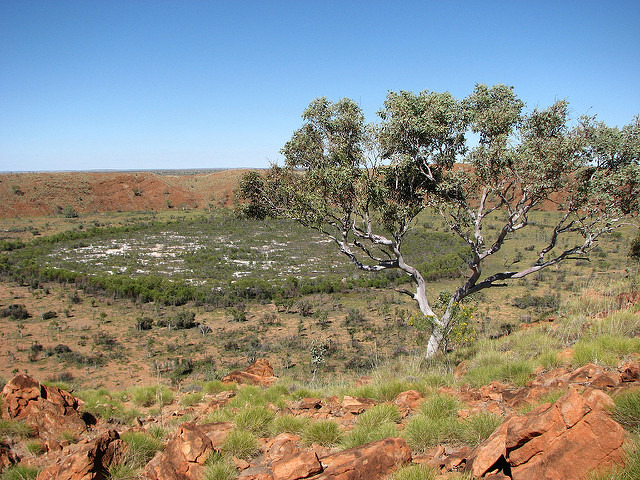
column 45, row 193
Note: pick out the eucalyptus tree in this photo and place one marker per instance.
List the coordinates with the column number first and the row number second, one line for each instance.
column 364, row 185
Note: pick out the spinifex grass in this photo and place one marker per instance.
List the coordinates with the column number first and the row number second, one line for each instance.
column 323, row 432
column 256, row 420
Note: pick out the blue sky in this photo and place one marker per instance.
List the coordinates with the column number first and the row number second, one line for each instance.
column 137, row 84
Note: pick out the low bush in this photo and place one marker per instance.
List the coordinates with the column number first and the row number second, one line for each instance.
column 323, row 432
column 256, row 420
column 295, row 424
column 240, row 444
column 19, row 472
column 15, row 311
column 627, row 410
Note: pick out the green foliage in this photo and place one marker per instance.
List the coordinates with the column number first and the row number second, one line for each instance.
column 627, row 410
column 364, row 186
column 439, row 406
column 15, row 428
column 414, row 472
column 191, row 399
column 375, row 424
column 256, row 420
column 490, row 365
column 36, row 447
column 478, row 428
column 19, row 472
column 216, row 386
column 160, row 395
column 323, row 432
column 606, row 350
column 217, row 467
column 240, row 444
column 141, row 448
column 423, row 432
column 295, row 424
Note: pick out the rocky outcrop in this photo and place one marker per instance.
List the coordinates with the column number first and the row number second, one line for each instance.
column 87, row 460
column 564, row 440
column 48, row 410
column 258, row 373
column 186, row 451
column 7, row 456
column 369, row 461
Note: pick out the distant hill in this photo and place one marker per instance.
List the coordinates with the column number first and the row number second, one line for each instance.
column 46, row 193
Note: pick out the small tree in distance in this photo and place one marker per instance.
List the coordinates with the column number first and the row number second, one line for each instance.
column 363, row 185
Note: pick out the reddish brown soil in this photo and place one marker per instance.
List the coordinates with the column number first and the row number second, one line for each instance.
column 45, row 193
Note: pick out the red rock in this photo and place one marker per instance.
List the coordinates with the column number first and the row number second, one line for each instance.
column 356, row 405
column 282, row 446
column 409, row 400
column 564, row 440
column 7, row 456
column 630, row 371
column 258, row 373
column 296, row 466
column 87, row 460
column 309, row 403
column 48, row 410
column 186, row 452
column 368, row 462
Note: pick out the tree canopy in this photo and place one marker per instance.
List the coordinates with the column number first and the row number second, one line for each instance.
column 467, row 159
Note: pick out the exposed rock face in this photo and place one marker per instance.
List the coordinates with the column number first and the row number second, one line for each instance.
column 560, row 441
column 186, row 452
column 87, row 460
column 367, row 462
column 7, row 457
column 258, row 373
column 48, row 410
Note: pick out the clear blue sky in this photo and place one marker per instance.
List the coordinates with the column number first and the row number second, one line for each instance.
column 107, row 84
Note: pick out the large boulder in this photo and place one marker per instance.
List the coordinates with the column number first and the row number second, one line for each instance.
column 49, row 411
column 366, row 462
column 186, row 451
column 564, row 440
column 87, row 460
column 258, row 373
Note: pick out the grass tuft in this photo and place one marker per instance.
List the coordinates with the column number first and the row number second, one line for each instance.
column 627, row 410
column 256, row 420
column 323, row 432
column 19, row 472
column 240, row 444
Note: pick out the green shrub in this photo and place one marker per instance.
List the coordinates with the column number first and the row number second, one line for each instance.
column 414, row 472
column 218, row 467
column 19, row 472
column 36, row 447
column 627, row 410
column 142, row 448
column 15, row 428
column 323, row 432
column 439, row 406
column 216, row 386
column 240, row 444
column 191, row 399
column 295, row 424
column 423, row 432
column 160, row 395
column 606, row 350
column 361, row 435
column 378, row 415
column 256, row 420
column 478, row 428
